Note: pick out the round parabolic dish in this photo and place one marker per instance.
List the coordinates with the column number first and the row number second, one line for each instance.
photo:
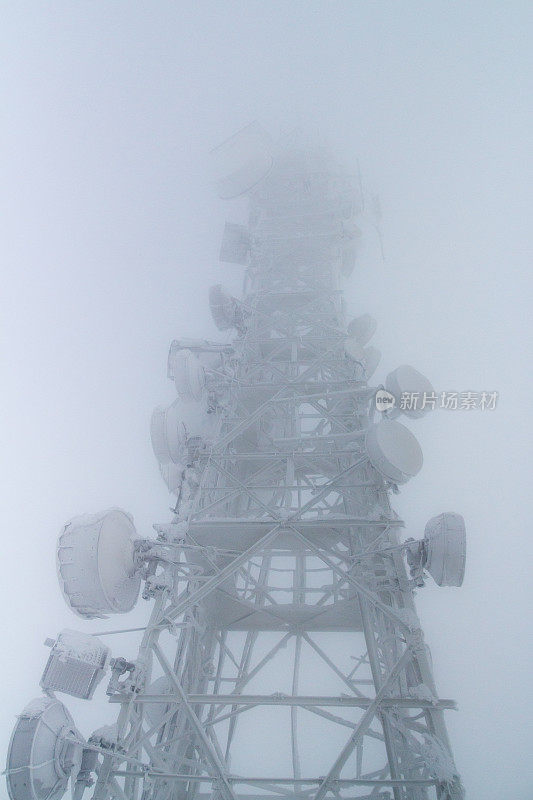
column 393, row 451
column 363, row 328
column 353, row 349
column 172, row 474
column 155, row 711
column 407, row 380
column 116, row 566
column 40, row 756
column 242, row 161
column 168, row 434
column 96, row 568
column 188, row 374
column 222, row 306
column 445, row 543
column 372, row 359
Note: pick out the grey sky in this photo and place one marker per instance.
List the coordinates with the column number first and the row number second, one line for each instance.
column 110, row 237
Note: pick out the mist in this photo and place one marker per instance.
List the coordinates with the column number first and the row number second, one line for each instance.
column 110, row 239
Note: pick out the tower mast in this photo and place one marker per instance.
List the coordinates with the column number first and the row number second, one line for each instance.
column 283, row 657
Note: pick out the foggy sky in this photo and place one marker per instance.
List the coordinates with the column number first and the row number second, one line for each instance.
column 110, row 237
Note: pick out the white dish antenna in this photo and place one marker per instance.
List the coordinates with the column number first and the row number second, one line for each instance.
column 172, row 474
column 168, row 435
column 223, row 307
column 239, row 163
column 188, row 374
column 353, row 349
column 235, row 246
column 362, row 328
column 172, row 440
column 445, row 549
column 406, row 380
column 372, row 359
column 367, row 357
column 96, row 564
column 155, row 711
column 42, row 753
column 393, row 451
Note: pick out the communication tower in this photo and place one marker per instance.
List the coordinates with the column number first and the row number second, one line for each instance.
column 282, row 657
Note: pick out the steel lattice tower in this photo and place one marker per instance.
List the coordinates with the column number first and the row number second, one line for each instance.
column 283, row 657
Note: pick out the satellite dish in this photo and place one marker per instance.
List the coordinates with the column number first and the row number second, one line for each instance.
column 353, row 349
column 372, row 358
column 223, row 308
column 96, row 564
column 393, row 451
column 242, row 161
column 363, row 328
column 188, row 374
column 407, row 380
column 367, row 357
column 172, row 474
column 445, row 549
column 156, row 711
column 168, row 434
column 41, row 753
column 235, row 244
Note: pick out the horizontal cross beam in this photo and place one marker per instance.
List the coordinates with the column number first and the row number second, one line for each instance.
column 291, row 700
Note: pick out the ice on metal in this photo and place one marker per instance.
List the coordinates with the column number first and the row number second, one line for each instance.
column 76, row 665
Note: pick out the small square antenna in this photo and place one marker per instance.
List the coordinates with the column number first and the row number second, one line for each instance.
column 235, row 244
column 76, row 664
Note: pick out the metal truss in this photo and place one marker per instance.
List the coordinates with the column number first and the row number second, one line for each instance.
column 283, row 657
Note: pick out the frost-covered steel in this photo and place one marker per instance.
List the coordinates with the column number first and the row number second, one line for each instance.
column 282, row 656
